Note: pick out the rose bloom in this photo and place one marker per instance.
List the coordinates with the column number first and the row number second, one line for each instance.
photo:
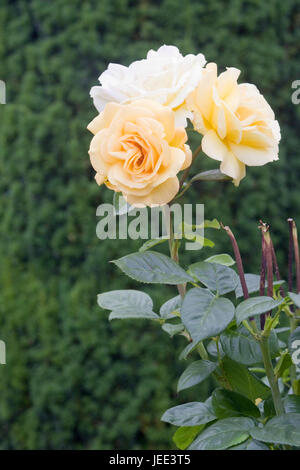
column 238, row 124
column 165, row 76
column 137, row 150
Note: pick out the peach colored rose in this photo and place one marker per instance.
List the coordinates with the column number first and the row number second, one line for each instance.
column 138, row 151
column 238, row 124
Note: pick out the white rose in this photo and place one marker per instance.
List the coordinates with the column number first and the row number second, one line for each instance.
column 166, row 76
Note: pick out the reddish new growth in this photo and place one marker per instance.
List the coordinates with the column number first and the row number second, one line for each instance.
column 293, row 247
column 238, row 260
column 267, row 263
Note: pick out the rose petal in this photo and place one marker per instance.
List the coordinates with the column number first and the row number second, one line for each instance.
column 213, row 146
column 232, row 167
column 160, row 195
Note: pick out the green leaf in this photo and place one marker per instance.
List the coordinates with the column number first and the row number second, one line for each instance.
column 189, row 414
column 252, row 281
column 152, row 267
column 243, row 381
column 187, row 350
column 185, row 435
column 151, row 243
column 212, row 349
column 215, row 276
column 210, row 175
column 255, row 306
column 120, row 204
column 284, row 429
column 206, row 224
column 240, row 346
column 223, row 259
column 195, row 373
column 274, row 344
column 172, row 305
column 295, row 298
column 283, row 329
column 292, row 404
column 193, row 236
column 253, row 284
column 269, row 408
column 250, row 444
column 227, row 403
column 205, row 315
column 284, row 362
column 129, row 313
column 223, row 434
column 212, row 224
column 171, row 329
column 127, row 304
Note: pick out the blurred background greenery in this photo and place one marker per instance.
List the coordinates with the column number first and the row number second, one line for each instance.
column 73, row 380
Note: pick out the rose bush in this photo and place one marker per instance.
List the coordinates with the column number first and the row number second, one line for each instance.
column 234, row 321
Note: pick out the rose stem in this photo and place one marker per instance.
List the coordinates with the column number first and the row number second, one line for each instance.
column 238, row 260
column 296, row 253
column 187, row 171
column 269, row 260
column 276, row 269
column 262, row 277
column 271, row 376
column 269, row 263
column 294, row 244
column 264, row 343
column 293, row 323
column 290, row 260
column 173, row 247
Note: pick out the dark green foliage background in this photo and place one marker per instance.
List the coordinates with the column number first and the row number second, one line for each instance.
column 73, row 380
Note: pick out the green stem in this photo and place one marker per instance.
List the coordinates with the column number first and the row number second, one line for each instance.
column 293, row 324
column 187, row 171
column 182, row 189
column 202, row 351
column 173, row 246
column 220, row 376
column 293, row 371
column 271, row 376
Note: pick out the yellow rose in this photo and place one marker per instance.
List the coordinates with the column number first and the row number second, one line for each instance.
column 238, row 124
column 137, row 150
